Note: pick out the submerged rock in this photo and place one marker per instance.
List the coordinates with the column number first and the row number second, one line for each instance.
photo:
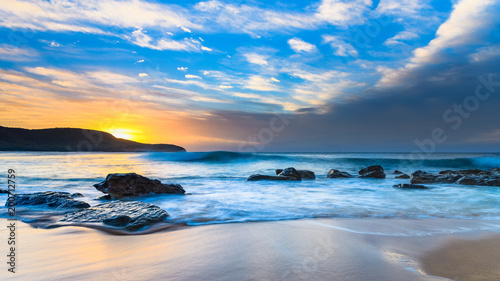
column 332, row 174
column 410, row 186
column 403, row 176
column 463, row 177
column 397, row 172
column 132, row 184
column 52, row 199
column 305, row 174
column 375, row 171
column 130, row 215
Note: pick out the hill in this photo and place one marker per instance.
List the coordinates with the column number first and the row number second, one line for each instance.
column 72, row 139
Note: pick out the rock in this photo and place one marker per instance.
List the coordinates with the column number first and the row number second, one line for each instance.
column 76, row 195
column 130, row 215
column 259, row 177
column 410, row 186
column 305, row 174
column 3, row 191
column 375, row 171
column 403, row 176
column 463, row 177
column 396, row 172
column 103, row 197
column 59, row 200
column 292, row 173
column 332, row 174
column 132, row 184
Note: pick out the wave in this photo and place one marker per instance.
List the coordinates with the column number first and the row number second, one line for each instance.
column 212, row 156
column 335, row 159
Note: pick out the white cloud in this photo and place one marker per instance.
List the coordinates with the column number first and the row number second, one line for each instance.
column 185, row 29
column 272, row 79
column 141, row 39
column 298, row 45
column 342, row 48
column 142, row 75
column 485, row 53
column 256, row 58
column 182, row 68
column 467, row 24
column 190, row 76
column 54, row 44
column 344, row 12
column 402, row 36
column 203, row 48
column 13, row 53
column 140, row 61
column 258, row 83
column 225, row 86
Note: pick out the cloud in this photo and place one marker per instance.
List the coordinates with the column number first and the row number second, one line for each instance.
column 142, row 75
column 259, row 83
column 274, row 79
column 140, row 61
column 189, row 76
column 182, row 68
column 342, row 48
column 225, row 86
column 185, row 29
column 485, row 53
column 298, row 45
column 203, row 48
column 256, row 58
column 402, row 36
column 143, row 40
column 469, row 22
column 13, row 53
column 344, row 13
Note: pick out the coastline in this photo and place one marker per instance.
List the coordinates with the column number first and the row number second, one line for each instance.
column 322, row 249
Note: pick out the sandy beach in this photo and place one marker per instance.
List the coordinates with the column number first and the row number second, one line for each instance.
column 309, row 249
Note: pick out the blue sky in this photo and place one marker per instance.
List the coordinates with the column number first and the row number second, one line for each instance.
column 351, row 75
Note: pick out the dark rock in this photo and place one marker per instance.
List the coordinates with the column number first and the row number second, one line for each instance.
column 307, row 175
column 375, row 171
column 259, row 177
column 332, row 174
column 410, row 186
column 130, row 215
column 132, row 184
column 103, row 197
column 292, row 173
column 403, row 176
column 396, row 172
column 3, row 191
column 59, row 200
column 76, row 195
column 463, row 177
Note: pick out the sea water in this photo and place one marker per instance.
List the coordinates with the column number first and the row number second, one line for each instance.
column 219, row 192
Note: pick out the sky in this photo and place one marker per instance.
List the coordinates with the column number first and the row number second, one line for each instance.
column 256, row 76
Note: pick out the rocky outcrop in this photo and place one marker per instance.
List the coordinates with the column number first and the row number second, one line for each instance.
column 410, row 186
column 52, row 199
column 403, row 176
column 129, row 215
column 397, row 172
column 291, row 173
column 305, row 174
column 375, row 171
column 282, row 175
column 333, row 174
column 3, row 191
column 463, row 177
column 258, row 177
column 132, row 184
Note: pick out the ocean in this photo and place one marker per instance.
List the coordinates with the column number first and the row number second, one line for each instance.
column 219, row 193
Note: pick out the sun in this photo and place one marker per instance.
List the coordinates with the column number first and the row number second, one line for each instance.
column 122, row 133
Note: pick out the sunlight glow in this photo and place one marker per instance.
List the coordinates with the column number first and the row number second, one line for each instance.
column 122, row 133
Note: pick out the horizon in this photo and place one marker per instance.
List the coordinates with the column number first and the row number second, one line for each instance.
column 326, row 76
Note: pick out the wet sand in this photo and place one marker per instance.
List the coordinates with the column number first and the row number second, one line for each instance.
column 313, row 249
